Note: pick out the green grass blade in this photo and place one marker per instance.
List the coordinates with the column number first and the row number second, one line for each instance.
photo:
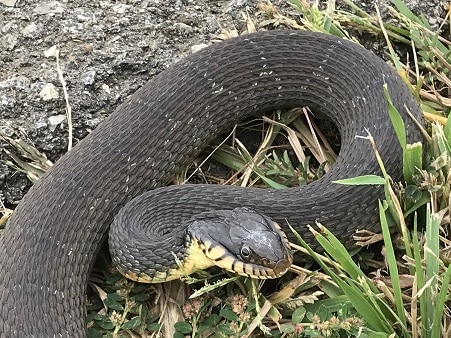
column 404, row 10
column 229, row 157
column 440, row 305
column 396, row 120
column 369, row 310
column 362, row 180
column 419, row 274
column 269, row 182
column 412, row 161
column 447, row 131
column 423, row 200
column 431, row 252
column 441, row 141
column 393, row 268
column 210, row 287
column 341, row 255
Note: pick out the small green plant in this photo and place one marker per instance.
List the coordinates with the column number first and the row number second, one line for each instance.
column 118, row 306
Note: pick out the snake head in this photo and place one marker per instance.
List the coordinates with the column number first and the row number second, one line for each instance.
column 243, row 241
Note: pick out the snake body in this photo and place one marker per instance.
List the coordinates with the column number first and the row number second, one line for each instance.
column 51, row 240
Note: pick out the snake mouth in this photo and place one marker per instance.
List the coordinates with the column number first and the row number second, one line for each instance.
column 278, row 268
column 282, row 266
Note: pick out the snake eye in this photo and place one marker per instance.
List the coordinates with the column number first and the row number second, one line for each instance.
column 245, row 252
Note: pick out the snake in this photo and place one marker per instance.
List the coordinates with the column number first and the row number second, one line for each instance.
column 50, row 242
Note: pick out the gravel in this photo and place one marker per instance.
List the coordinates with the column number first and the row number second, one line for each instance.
column 106, row 51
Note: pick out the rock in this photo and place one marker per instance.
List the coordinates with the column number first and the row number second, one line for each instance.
column 9, row 41
column 51, row 52
column 120, row 8
column 236, row 5
column 88, row 77
column 55, row 120
column 198, row 47
column 184, row 27
column 49, row 92
column 9, row 3
column 30, row 30
column 212, row 24
column 53, row 7
column 40, row 123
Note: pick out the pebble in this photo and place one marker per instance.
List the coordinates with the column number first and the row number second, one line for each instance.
column 30, row 30
column 49, row 92
column 184, row 27
column 212, row 24
column 88, row 77
column 198, row 47
column 93, row 122
column 121, row 8
column 53, row 7
column 236, row 5
column 55, row 120
column 9, row 41
column 9, row 3
column 40, row 123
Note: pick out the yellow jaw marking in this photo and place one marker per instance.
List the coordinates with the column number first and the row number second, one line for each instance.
column 196, row 258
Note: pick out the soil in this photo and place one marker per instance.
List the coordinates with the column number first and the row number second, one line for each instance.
column 107, row 50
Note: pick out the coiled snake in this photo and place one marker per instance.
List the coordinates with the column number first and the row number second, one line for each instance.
column 51, row 240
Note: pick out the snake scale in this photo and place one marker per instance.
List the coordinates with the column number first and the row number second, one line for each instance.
column 51, row 240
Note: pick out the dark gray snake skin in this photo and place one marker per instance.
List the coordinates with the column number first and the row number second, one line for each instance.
column 51, row 240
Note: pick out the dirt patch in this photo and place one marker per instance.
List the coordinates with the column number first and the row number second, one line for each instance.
column 107, row 50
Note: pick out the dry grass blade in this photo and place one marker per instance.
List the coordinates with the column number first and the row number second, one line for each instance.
column 54, row 52
column 27, row 158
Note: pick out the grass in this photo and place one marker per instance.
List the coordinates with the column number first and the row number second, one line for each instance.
column 403, row 293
